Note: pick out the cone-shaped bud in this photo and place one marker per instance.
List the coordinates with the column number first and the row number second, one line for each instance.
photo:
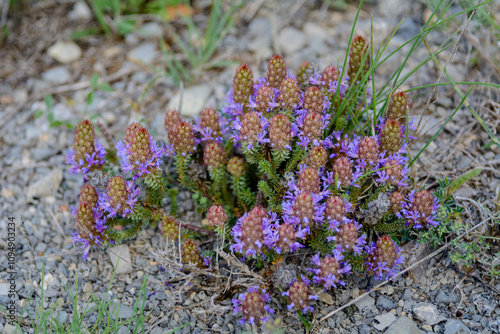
column 172, row 117
column 139, row 140
column 287, row 237
column 131, row 131
column 391, row 138
column 342, row 169
column 86, row 223
column 394, row 171
column 217, row 216
column 214, row 156
column 304, row 209
column 348, row 234
column 397, row 107
column 264, row 97
column 313, row 100
column 210, row 118
column 169, row 228
column 311, row 127
column 385, row 251
column 276, row 71
column 118, row 195
column 396, row 198
column 88, row 194
column 301, row 74
column 183, row 138
column 317, row 157
column 309, row 180
column 236, row 166
column 242, row 84
column 368, row 150
column 330, row 73
column 84, row 140
column 359, row 59
column 423, row 204
column 253, row 307
column 299, row 295
column 330, row 267
column 335, row 208
column 251, row 127
column 280, row 132
column 289, row 93
column 191, row 253
column 252, row 233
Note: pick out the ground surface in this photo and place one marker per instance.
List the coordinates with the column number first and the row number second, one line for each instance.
column 35, row 183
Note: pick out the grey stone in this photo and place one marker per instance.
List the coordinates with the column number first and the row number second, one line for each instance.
column 403, row 325
column 260, row 38
column 454, row 326
column 413, row 252
column 62, row 316
column 193, row 100
column 365, row 304
column 291, row 40
column 80, row 12
column 46, row 185
column 122, row 252
column 151, row 29
column 64, row 52
column 144, row 53
column 124, row 311
column 494, row 326
column 485, row 303
column 446, row 297
column 426, row 125
column 384, row 320
column 427, row 313
column 386, row 303
column 41, row 247
column 57, row 75
column 9, row 329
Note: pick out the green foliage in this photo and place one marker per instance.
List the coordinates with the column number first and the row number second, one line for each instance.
column 198, row 46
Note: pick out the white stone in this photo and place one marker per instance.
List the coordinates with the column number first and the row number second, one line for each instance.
column 80, row 11
column 49, row 281
column 366, row 303
column 57, row 75
column 121, row 252
column 193, row 100
column 46, row 185
column 384, row 321
column 65, row 52
column 427, row 313
column 144, row 53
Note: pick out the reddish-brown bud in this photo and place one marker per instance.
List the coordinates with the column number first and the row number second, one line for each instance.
column 289, row 93
column 280, row 132
column 242, row 84
column 276, row 71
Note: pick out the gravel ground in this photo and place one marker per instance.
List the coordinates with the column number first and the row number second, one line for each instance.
column 36, row 185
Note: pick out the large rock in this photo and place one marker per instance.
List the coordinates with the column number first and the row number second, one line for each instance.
column 403, row 325
column 44, row 186
column 427, row 313
column 193, row 100
column 485, row 303
column 384, row 320
column 454, row 326
column 125, row 263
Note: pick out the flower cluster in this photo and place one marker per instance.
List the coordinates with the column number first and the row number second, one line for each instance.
column 87, row 153
column 289, row 162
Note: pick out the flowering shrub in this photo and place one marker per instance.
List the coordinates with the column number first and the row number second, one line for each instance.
column 291, row 162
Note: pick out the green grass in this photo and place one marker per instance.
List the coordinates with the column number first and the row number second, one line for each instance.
column 46, row 320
